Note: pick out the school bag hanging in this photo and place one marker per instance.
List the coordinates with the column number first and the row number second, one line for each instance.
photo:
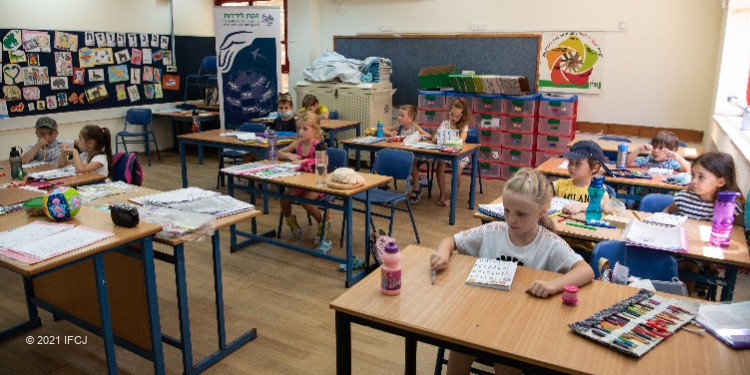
column 126, row 168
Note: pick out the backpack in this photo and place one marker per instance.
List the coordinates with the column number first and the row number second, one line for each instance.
column 126, row 168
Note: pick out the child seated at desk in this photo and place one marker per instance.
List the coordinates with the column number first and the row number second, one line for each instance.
column 458, row 120
column 406, row 127
column 47, row 147
column 95, row 143
column 663, row 149
column 526, row 236
column 311, row 104
column 285, row 122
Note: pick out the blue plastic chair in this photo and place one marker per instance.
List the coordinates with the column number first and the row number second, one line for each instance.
column 236, row 155
column 138, row 117
column 204, row 78
column 441, row 360
column 655, row 202
column 397, row 164
column 472, row 136
column 644, row 263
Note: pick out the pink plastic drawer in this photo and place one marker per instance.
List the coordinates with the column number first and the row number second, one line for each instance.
column 429, row 116
column 489, row 153
column 542, row 156
column 558, row 105
column 526, row 105
column 507, row 170
column 553, row 143
column 549, row 125
column 431, row 100
column 488, row 103
column 486, row 120
column 490, row 137
column 517, row 157
column 518, row 124
column 490, row 170
column 518, row 140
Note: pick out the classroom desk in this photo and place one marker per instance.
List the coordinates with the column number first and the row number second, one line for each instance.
column 468, row 149
column 307, row 181
column 178, row 260
column 511, row 327
column 77, row 180
column 180, row 116
column 698, row 233
column 333, row 127
column 108, row 274
column 689, row 153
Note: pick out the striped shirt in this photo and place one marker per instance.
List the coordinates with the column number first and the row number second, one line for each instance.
column 691, row 205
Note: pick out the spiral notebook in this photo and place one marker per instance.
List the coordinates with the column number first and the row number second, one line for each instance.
column 492, row 273
column 665, row 219
column 657, row 237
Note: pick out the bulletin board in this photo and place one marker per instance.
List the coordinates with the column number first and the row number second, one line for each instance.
column 501, row 54
column 53, row 71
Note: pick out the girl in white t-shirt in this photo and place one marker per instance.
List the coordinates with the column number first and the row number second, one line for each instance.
column 526, row 236
column 458, row 119
column 95, row 143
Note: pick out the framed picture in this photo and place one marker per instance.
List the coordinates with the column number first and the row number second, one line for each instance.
column 96, row 93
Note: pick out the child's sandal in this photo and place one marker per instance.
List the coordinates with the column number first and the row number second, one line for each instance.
column 415, row 195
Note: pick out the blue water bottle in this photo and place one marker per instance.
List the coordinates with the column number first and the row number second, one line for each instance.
column 272, row 138
column 622, row 156
column 596, row 192
column 380, row 128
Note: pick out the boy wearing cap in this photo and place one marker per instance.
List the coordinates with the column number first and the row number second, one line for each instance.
column 47, row 148
column 286, row 121
column 585, row 158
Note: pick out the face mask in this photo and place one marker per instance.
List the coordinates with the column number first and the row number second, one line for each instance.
column 285, row 114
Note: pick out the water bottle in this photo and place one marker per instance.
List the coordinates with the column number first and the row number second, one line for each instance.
column 380, row 128
column 271, row 138
column 622, row 156
column 16, row 166
column 721, row 228
column 390, row 270
column 321, row 164
column 596, row 192
column 196, row 121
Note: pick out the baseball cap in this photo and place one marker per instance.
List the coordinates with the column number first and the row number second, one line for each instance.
column 46, row 122
column 585, row 149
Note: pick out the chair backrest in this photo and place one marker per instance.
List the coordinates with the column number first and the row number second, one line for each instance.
column 337, row 158
column 253, row 127
column 394, row 163
column 616, row 139
column 208, row 66
column 472, row 136
column 644, row 263
column 655, row 202
column 138, row 116
column 611, row 191
column 126, row 168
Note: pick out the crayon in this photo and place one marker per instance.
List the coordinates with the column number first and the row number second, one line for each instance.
column 580, row 225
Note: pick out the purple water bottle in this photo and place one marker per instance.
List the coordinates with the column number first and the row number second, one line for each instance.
column 721, row 228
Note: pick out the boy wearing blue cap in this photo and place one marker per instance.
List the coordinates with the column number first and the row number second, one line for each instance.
column 47, row 148
column 585, row 159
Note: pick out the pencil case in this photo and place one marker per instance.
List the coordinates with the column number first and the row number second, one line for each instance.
column 124, row 215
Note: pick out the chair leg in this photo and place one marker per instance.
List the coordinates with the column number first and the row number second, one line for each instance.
column 281, row 221
column 148, row 148
column 413, row 223
column 439, row 360
column 156, row 145
column 343, row 225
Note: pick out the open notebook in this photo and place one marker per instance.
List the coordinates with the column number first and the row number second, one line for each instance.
column 40, row 240
column 657, row 237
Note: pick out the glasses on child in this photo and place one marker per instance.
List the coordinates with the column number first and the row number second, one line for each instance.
column 453, row 115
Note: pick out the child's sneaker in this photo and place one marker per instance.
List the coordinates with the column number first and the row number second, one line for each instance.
column 291, row 221
column 423, row 180
column 316, row 240
column 324, row 246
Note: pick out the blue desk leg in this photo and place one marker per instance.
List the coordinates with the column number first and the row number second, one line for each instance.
column 473, row 189
column 153, row 305
column 182, row 307
column 348, row 211
column 454, row 191
column 332, row 138
column 183, row 164
column 106, row 322
column 730, row 275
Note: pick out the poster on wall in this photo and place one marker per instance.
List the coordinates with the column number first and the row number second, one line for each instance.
column 249, row 61
column 571, row 62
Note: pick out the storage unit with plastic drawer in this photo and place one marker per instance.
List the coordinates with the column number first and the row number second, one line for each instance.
column 430, row 117
column 431, row 100
column 490, row 170
column 487, row 103
column 542, row 156
column 487, row 120
column 558, row 105
column 507, row 170
column 525, row 105
column 518, row 124
column 490, row 137
column 552, row 125
column 552, row 143
column 518, row 141
column 517, row 157
column 487, row 153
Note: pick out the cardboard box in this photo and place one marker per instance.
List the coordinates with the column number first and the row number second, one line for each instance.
column 435, row 77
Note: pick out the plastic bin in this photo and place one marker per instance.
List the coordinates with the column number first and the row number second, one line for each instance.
column 490, row 170
column 518, row 140
column 507, row 170
column 517, row 157
column 556, row 105
column 542, row 156
column 486, row 103
column 450, row 96
column 432, row 129
column 486, row 120
column 518, row 124
column 430, row 117
column 487, row 153
column 553, row 143
column 551, row 125
column 526, row 105
column 490, row 137
column 431, row 100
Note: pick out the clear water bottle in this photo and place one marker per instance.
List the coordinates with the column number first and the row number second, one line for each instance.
column 271, row 137
column 196, row 121
column 721, row 228
column 596, row 192
column 16, row 165
column 390, row 270
column 622, row 156
column 321, row 164
column 380, row 128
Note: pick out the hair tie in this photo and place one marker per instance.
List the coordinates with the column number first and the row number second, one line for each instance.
column 101, row 128
column 461, row 100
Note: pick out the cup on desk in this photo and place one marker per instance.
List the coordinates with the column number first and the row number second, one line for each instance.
column 321, row 166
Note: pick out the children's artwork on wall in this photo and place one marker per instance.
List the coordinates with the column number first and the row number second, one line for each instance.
column 571, row 62
column 121, row 40
column 135, row 76
column 66, row 41
column 41, row 105
column 12, row 40
column 31, row 106
column 147, row 58
column 133, row 93
column 74, row 98
column 111, row 40
column 79, row 75
column 122, row 56
column 122, row 94
column 89, row 40
column 164, row 42
column 20, row 106
column 118, row 73
column 144, row 40
column 167, row 58
column 171, row 82
column 96, row 75
column 3, row 109
column 157, row 55
column 33, row 58
column 31, row 93
column 59, row 83
column 158, row 93
column 96, row 93
column 17, row 56
column 132, row 40
column 103, row 56
column 136, row 56
column 148, row 74
column 64, row 63
column 62, row 99
column 52, row 102
column 86, row 57
column 101, row 40
column 154, row 40
column 12, row 74
column 36, row 41
column 157, row 75
column 35, row 76
column 148, row 90
column 11, row 93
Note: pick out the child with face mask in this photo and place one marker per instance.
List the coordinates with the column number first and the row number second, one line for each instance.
column 285, row 122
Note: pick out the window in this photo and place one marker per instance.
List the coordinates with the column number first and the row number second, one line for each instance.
column 734, row 76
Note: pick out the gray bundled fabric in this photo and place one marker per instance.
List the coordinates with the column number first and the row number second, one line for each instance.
column 334, row 67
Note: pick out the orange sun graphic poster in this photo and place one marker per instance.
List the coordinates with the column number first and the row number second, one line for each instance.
column 571, row 62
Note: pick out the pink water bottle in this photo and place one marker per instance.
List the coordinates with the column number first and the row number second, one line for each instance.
column 721, row 228
column 390, row 270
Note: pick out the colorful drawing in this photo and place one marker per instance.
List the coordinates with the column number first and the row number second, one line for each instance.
column 103, row 56
column 167, row 58
column 59, row 83
column 41, row 105
column 31, row 93
column 135, row 76
column 568, row 62
column 158, row 93
column 96, row 75
column 157, row 75
column 12, row 40
column 157, row 55
column 148, row 74
column 122, row 56
column 33, row 58
column 17, row 56
column 52, row 102
column 79, row 75
column 147, row 58
column 75, row 98
column 12, row 74
column 96, row 93
column 11, row 93
column 66, row 41
column 149, row 91
column 122, row 94
column 171, row 82
column 64, row 63
column 19, row 107
column 133, row 93
column 118, row 73
column 136, row 56
column 62, row 99
column 35, row 76
column 31, row 106
column 36, row 41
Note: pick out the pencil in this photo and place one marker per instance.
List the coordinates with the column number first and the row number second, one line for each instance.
column 636, row 215
column 434, row 274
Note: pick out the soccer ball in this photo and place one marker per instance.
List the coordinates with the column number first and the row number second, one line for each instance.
column 62, row 203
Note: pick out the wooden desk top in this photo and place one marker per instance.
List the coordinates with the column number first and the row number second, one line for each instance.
column 324, row 124
column 689, row 153
column 77, row 180
column 187, row 114
column 307, row 181
column 87, row 216
column 214, row 136
column 465, row 148
column 517, row 325
column 552, row 167
column 698, row 233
